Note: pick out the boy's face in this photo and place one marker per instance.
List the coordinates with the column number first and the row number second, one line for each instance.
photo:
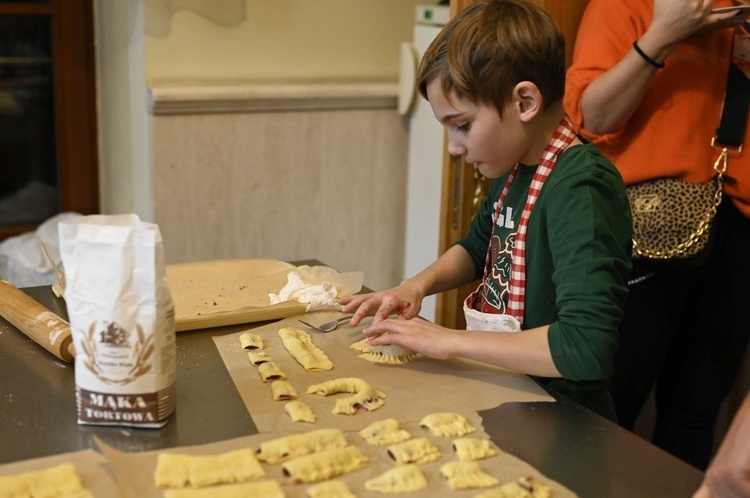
column 477, row 133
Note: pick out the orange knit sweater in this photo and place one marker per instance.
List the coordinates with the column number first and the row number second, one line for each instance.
column 669, row 135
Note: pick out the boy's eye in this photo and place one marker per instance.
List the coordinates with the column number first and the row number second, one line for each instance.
column 463, row 127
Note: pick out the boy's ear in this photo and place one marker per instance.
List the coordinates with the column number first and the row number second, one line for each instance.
column 528, row 100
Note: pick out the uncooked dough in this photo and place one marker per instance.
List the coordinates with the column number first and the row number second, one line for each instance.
column 447, row 424
column 385, row 431
column 258, row 489
column 419, row 450
column 281, row 449
column 390, row 353
column 174, row 470
column 324, row 465
column 60, row 480
column 466, row 475
column 301, row 347
column 523, row 487
column 472, row 449
column 400, row 479
column 282, row 390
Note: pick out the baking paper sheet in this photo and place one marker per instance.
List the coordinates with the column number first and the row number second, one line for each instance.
column 135, row 470
column 413, row 390
column 228, row 291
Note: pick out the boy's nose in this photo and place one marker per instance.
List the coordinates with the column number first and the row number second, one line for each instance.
column 455, row 149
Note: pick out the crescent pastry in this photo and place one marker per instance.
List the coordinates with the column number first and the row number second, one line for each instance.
column 282, row 390
column 296, row 445
column 419, row 450
column 300, row 346
column 365, row 396
column 466, row 475
column 257, row 357
column 270, row 371
column 523, row 487
column 330, row 489
column 340, row 385
column 299, row 412
column 258, row 489
column 324, row 465
column 250, row 341
column 369, row 399
column 470, row 449
column 400, row 479
column 391, row 353
column 447, row 424
column 387, row 431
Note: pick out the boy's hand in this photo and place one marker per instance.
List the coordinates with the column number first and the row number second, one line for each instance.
column 404, row 300
column 422, row 336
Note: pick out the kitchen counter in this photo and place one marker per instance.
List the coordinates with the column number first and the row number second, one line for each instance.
column 568, row 443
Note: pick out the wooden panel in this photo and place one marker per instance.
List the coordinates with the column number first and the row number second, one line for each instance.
column 76, row 106
column 325, row 184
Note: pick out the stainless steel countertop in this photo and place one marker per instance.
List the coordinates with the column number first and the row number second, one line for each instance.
column 568, row 443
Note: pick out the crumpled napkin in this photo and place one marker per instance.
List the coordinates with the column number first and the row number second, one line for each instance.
column 319, row 287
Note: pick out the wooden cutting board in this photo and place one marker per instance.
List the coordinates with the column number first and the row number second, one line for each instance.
column 228, row 292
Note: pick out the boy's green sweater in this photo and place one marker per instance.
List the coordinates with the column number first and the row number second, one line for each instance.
column 577, row 264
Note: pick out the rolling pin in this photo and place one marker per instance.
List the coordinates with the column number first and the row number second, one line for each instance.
column 36, row 321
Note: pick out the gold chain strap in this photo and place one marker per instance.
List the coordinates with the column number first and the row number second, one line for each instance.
column 720, row 166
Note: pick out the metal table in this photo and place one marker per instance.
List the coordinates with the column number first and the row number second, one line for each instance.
column 568, row 443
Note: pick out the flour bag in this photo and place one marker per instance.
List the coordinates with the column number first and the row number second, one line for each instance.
column 122, row 319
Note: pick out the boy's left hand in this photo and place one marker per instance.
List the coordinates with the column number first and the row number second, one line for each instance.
column 416, row 334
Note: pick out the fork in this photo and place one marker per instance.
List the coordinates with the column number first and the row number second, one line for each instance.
column 328, row 326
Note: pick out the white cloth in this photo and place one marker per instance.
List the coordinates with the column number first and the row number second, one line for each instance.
column 322, row 296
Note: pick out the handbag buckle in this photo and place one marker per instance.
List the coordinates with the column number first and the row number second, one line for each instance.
column 730, row 149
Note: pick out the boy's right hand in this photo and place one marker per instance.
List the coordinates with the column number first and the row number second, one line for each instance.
column 405, row 300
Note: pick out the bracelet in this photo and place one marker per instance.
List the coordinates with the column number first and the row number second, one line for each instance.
column 657, row 65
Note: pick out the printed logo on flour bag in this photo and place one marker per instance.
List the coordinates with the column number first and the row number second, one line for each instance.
column 122, row 318
column 115, row 357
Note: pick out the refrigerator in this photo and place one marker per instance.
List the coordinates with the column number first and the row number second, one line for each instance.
column 425, row 152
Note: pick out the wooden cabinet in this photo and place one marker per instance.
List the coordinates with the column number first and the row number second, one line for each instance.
column 48, row 139
column 463, row 188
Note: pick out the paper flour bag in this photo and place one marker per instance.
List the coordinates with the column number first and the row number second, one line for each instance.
column 122, row 319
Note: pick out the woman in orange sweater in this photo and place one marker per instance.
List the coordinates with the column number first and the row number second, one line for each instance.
column 647, row 85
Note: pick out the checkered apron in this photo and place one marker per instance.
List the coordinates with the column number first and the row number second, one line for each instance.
column 561, row 139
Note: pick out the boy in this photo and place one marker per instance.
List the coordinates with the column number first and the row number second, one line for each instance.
column 551, row 240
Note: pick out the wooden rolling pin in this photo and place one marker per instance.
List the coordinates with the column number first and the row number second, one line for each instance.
column 36, row 321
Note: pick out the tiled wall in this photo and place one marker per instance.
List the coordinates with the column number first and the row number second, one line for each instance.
column 289, row 172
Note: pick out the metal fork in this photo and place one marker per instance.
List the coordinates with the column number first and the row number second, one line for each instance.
column 328, row 326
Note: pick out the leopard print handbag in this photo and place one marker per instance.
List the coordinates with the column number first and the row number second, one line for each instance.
column 672, row 219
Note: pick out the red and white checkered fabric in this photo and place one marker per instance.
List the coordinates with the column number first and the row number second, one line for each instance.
column 561, row 139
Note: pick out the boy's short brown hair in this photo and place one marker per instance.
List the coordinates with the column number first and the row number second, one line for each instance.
column 488, row 48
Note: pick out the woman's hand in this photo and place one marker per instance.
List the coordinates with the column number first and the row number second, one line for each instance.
column 405, row 300
column 676, row 20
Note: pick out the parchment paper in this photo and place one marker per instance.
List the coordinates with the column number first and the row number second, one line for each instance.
column 219, row 288
column 414, row 390
column 92, row 467
column 135, row 471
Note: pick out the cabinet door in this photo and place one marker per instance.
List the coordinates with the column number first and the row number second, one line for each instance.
column 463, row 188
column 48, row 149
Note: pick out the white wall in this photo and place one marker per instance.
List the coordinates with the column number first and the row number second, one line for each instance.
column 301, row 40
column 279, row 40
